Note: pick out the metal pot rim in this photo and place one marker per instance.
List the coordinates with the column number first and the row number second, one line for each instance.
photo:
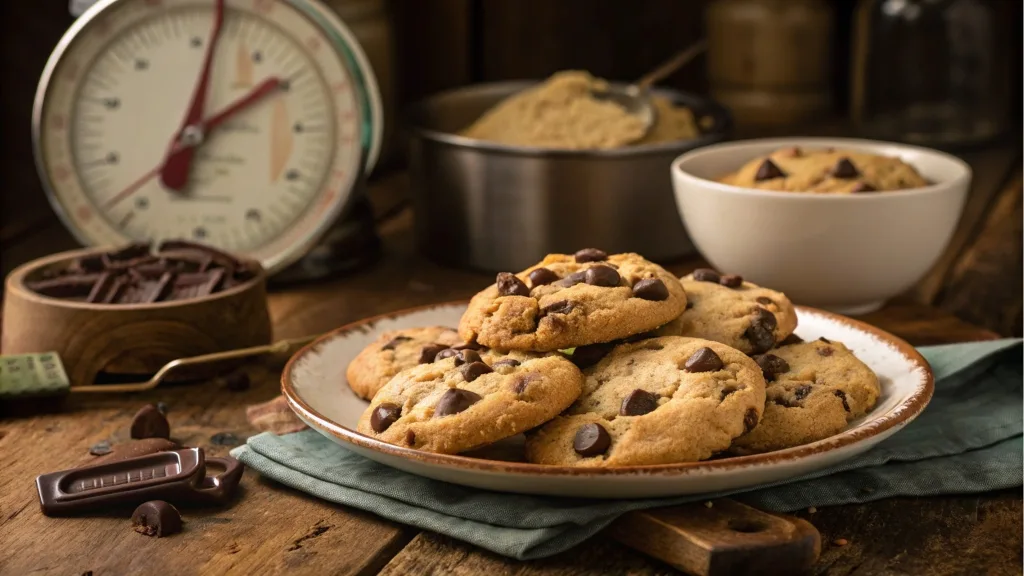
column 701, row 105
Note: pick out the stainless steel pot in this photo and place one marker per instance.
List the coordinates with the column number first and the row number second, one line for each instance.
column 495, row 207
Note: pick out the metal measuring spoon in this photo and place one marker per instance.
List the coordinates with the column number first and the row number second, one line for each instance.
column 636, row 97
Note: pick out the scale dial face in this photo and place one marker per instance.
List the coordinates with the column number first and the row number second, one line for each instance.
column 265, row 182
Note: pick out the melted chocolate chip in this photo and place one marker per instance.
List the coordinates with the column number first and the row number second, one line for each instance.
column 771, row 366
column 602, row 276
column 511, row 285
column 383, row 416
column 395, row 342
column 474, row 370
column 510, row 362
column 430, row 352
column 731, row 280
column 767, row 171
column 842, row 396
column 845, row 169
column 638, row 402
column 801, row 391
column 703, row 360
column 750, row 420
column 455, row 400
column 761, row 333
column 410, row 438
column 524, row 380
column 826, row 351
column 542, row 276
column 467, row 357
column 446, row 353
column 560, row 307
column 726, row 391
column 573, row 279
column 591, row 255
column 689, row 304
column 650, row 289
column 591, row 440
column 764, row 300
column 587, row 356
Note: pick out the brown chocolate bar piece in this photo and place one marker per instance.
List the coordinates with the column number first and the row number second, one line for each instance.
column 179, row 476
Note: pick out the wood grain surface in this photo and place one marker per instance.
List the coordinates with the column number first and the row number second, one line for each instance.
column 272, row 529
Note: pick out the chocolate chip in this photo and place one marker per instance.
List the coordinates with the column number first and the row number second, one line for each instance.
column 455, row 400
column 541, row 276
column 100, row 448
column 237, row 381
column 560, row 307
column 650, row 289
column 825, row 340
column 706, row 275
column 511, row 285
column 510, row 362
column 149, row 423
column 726, row 392
column 395, row 342
column 689, row 304
column 467, row 357
column 474, row 370
column 826, row 351
column 761, row 333
column 156, row 519
column 591, row 440
column 842, row 396
column 703, row 360
column 573, row 279
column 651, row 346
column 767, row 171
column 863, row 187
column 587, row 356
column 430, row 352
column 410, row 438
column 765, row 300
column 224, row 439
column 771, row 366
column 845, row 169
column 446, row 353
column 383, row 416
column 602, row 276
column 801, row 391
column 791, row 339
column 784, row 403
column 638, row 402
column 731, row 280
column 750, row 420
column 591, row 255
column 524, row 380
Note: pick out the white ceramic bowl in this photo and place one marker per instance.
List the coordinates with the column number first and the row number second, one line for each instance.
column 848, row 253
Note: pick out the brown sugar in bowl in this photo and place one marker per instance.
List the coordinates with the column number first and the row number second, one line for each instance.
column 132, row 339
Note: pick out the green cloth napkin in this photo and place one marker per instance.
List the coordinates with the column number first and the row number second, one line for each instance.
column 967, row 440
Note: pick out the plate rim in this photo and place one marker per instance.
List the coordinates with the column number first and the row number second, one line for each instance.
column 900, row 415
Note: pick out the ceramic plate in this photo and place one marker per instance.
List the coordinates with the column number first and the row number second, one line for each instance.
column 314, row 384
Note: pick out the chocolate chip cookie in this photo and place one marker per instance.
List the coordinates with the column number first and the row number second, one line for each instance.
column 814, row 390
column 395, row 351
column 573, row 300
column 726, row 309
column 470, row 399
column 833, row 171
column 657, row 401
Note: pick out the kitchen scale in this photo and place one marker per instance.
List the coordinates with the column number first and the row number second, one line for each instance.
column 248, row 125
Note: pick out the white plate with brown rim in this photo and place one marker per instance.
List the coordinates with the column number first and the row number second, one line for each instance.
column 314, row 385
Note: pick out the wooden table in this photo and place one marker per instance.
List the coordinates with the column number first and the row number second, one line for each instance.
column 272, row 529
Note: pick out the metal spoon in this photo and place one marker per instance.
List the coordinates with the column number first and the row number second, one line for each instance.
column 636, row 97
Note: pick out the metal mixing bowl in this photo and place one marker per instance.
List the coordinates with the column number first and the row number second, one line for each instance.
column 496, row 207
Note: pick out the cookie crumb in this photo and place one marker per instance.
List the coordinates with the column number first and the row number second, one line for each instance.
column 840, row 541
column 812, row 510
column 709, row 504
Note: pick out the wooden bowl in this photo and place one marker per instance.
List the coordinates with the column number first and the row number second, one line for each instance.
column 133, row 339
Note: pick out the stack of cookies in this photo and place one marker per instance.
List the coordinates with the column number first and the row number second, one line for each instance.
column 610, row 360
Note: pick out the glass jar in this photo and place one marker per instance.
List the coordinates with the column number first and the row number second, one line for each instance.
column 928, row 72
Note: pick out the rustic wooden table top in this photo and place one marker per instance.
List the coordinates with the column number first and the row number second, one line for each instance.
column 974, row 293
